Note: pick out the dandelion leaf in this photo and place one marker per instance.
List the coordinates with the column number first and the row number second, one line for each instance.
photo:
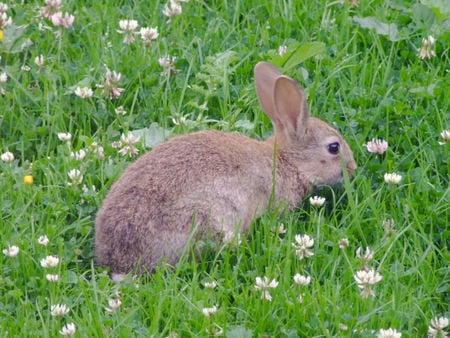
column 381, row 28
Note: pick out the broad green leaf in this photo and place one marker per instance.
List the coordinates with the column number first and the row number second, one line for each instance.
column 13, row 40
column 381, row 28
column 239, row 331
column 296, row 53
column 152, row 136
column 301, row 53
column 423, row 17
column 441, row 8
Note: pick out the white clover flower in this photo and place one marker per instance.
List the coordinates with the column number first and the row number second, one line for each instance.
column 3, row 7
column 128, row 25
column 39, row 61
column 113, row 76
column 11, row 251
column 445, row 134
column 128, row 29
column 130, row 138
column 179, row 121
column 148, row 34
column 7, row 157
column 167, row 61
column 302, row 280
column 392, row 178
column 366, row 256
column 68, row 330
column 97, row 150
column 281, row 229
column 59, row 310
column 317, row 201
column 86, row 189
column 343, row 327
column 343, row 243
column 171, row 9
column 168, row 64
column 303, row 243
column 389, row 333
column 43, row 240
column 210, row 285
column 282, row 50
column 25, row 68
column 232, row 238
column 388, row 225
column 50, row 261
column 365, row 279
column 65, row 137
column 52, row 6
column 215, row 331
column 62, row 20
column 114, row 304
column 84, row 92
column 209, row 311
column 426, row 51
column 5, row 21
column 439, row 323
column 116, row 144
column 109, row 87
column 377, row 146
column 437, row 326
column 76, row 176
column 127, row 143
column 263, row 285
column 78, row 155
column 120, row 110
column 52, row 277
column 3, row 77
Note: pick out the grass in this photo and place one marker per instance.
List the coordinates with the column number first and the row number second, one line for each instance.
column 365, row 78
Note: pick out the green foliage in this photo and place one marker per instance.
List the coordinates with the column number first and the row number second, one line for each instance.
column 361, row 71
column 380, row 28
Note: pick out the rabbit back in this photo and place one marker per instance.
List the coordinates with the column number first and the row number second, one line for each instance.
column 211, row 181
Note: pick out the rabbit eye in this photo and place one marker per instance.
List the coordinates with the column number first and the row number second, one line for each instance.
column 333, row 148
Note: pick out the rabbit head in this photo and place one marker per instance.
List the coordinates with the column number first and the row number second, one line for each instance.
column 316, row 149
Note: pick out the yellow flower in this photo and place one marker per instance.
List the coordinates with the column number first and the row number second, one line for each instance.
column 1, row 35
column 28, row 179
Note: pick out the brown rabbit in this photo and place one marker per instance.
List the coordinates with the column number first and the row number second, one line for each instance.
column 215, row 182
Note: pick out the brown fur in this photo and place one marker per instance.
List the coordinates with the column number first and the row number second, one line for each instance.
column 215, row 181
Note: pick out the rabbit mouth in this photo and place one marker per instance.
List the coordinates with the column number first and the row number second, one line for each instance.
column 351, row 168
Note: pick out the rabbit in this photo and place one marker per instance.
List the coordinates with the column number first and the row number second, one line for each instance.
column 211, row 181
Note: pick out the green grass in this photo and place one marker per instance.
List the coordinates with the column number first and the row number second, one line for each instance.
column 369, row 84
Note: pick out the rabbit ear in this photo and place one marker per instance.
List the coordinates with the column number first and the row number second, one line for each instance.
column 290, row 107
column 265, row 77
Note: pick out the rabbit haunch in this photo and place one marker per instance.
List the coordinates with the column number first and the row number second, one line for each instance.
column 216, row 182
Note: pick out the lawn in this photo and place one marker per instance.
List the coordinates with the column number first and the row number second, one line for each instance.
column 85, row 88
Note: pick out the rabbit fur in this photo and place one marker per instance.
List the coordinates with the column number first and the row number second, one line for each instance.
column 214, row 182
